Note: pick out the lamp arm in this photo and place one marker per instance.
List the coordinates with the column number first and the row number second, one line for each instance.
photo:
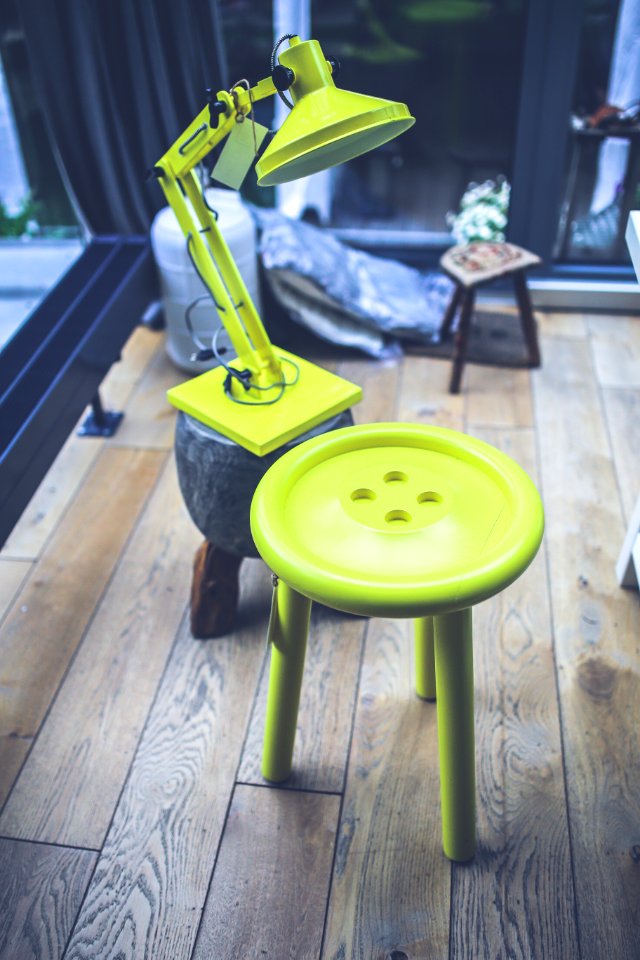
column 211, row 255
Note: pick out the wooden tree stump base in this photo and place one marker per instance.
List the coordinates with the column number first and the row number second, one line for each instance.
column 214, row 591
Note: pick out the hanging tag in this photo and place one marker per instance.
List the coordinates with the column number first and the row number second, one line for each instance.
column 238, row 153
column 273, row 615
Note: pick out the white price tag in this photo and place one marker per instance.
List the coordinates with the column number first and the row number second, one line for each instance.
column 238, row 153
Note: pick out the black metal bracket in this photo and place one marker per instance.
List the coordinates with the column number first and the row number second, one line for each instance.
column 100, row 422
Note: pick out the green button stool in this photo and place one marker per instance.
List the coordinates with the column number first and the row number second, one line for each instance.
column 394, row 520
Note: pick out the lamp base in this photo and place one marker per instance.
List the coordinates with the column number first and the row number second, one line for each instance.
column 316, row 396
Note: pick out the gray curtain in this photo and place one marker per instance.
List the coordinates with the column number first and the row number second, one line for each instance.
column 118, row 81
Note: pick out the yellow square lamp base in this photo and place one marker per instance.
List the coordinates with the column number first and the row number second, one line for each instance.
column 315, row 397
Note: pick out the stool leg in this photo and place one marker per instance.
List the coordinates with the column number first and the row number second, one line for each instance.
column 288, row 629
column 424, row 658
column 460, row 344
column 454, row 681
column 450, row 312
column 527, row 318
column 214, row 591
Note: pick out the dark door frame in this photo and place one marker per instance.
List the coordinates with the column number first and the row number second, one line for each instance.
column 552, row 47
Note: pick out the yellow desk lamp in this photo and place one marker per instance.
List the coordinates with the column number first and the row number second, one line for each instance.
column 266, row 396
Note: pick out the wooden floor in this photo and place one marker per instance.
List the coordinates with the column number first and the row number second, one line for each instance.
column 135, row 822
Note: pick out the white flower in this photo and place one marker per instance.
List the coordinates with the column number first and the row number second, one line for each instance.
column 483, row 212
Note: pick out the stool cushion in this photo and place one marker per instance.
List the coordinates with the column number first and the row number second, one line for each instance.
column 397, row 520
column 474, row 263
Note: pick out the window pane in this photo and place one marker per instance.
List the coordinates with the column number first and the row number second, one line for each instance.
column 603, row 165
column 457, row 64
column 39, row 236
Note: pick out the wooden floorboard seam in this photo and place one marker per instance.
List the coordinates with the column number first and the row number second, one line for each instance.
column 607, row 428
column 80, row 906
column 452, row 905
column 95, row 866
column 196, row 938
column 556, row 679
column 29, row 564
column 497, row 427
column 48, row 843
column 293, row 789
column 398, row 392
column 116, row 445
column 231, row 796
column 343, row 793
column 126, row 778
column 87, row 626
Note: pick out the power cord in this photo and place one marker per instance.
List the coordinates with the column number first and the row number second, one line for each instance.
column 205, row 353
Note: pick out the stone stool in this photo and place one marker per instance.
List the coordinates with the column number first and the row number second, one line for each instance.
column 217, row 479
column 470, row 266
column 394, row 520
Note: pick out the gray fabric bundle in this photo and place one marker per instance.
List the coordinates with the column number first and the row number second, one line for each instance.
column 347, row 296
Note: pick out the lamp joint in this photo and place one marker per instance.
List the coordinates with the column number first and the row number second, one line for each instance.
column 154, row 173
column 217, row 108
column 282, row 77
column 334, row 63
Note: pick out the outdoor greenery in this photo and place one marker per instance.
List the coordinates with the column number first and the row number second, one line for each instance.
column 23, row 222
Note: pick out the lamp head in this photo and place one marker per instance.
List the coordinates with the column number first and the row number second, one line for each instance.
column 327, row 125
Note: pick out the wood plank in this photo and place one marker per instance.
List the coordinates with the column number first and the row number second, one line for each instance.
column 41, row 633
column 424, row 396
column 119, row 384
column 150, row 419
column 506, row 902
column 498, row 397
column 12, row 575
column 326, row 707
column 52, row 498
column 68, row 789
column 41, row 889
column 379, row 380
column 622, row 411
column 68, row 471
column 554, row 323
column 390, row 889
column 596, row 626
column 269, row 889
column 151, row 881
column 615, row 343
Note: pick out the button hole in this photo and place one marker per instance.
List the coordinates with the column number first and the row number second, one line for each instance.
column 429, row 496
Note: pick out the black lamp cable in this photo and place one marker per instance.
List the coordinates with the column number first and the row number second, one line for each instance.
column 215, row 352
column 285, row 36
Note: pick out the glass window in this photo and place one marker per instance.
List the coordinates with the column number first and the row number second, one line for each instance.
column 39, row 235
column 602, row 180
column 457, row 64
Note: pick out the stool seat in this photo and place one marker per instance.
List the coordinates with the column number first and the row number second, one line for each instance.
column 397, row 520
column 472, row 264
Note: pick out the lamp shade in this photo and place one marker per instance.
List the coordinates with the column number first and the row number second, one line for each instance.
column 327, row 125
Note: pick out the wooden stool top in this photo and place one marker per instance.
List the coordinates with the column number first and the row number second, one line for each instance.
column 471, row 264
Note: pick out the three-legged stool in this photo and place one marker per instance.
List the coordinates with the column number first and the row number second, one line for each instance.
column 394, row 520
column 470, row 266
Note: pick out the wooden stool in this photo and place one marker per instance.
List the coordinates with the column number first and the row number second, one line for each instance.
column 470, row 266
column 394, row 520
